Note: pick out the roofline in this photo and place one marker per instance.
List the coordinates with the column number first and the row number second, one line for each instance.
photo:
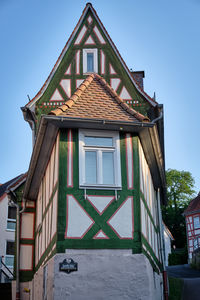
column 168, row 231
column 87, row 7
column 14, row 185
column 192, row 212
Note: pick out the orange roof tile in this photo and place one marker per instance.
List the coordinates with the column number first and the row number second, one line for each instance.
column 95, row 99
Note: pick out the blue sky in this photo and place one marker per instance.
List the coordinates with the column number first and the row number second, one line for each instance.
column 160, row 37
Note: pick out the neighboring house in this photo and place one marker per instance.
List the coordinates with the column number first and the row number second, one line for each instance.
column 168, row 237
column 96, row 178
column 7, row 227
column 192, row 218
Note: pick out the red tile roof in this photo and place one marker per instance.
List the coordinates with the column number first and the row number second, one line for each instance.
column 10, row 184
column 95, row 99
column 194, row 205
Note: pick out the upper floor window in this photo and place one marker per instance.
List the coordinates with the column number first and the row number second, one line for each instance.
column 90, row 64
column 196, row 222
column 10, row 252
column 99, row 159
column 11, row 220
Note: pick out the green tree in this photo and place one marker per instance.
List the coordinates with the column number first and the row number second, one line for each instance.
column 180, row 190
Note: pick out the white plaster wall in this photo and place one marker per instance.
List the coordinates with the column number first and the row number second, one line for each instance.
column 167, row 247
column 4, row 233
column 38, row 285
column 26, row 291
column 102, row 274
column 50, row 280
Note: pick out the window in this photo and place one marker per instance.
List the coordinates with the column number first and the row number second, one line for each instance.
column 99, row 159
column 196, row 243
column 11, row 221
column 90, row 61
column 196, row 222
column 10, row 252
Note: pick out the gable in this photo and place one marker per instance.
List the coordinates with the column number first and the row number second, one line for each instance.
column 89, row 37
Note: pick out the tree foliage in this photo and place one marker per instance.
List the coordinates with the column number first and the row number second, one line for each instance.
column 180, row 190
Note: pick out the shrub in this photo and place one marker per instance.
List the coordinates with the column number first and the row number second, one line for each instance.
column 178, row 257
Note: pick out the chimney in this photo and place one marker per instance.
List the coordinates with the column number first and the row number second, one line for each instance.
column 138, row 77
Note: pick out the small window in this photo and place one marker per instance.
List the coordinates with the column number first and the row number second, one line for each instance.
column 99, row 159
column 90, row 64
column 196, row 223
column 10, row 252
column 11, row 220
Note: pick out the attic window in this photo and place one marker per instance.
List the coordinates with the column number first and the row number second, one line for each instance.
column 90, row 61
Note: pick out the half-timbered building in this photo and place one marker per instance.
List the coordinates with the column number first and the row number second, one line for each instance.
column 96, row 177
column 192, row 218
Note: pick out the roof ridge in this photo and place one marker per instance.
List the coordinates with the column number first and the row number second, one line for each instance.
column 69, row 103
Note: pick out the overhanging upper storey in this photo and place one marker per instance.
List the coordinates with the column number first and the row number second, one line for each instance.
column 88, row 50
column 94, row 106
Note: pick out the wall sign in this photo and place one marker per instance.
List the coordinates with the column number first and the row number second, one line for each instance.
column 68, row 265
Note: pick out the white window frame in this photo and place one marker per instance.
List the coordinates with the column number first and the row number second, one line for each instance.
column 10, row 220
column 9, row 255
column 95, row 55
column 117, row 163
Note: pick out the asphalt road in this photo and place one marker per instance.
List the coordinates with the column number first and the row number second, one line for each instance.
column 182, row 271
column 191, row 289
column 191, row 278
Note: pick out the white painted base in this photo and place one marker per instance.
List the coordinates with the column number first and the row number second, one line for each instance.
column 102, row 274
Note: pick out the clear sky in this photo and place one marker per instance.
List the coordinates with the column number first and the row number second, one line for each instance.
column 158, row 36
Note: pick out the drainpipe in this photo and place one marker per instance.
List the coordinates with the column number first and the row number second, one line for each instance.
column 165, row 282
column 17, row 239
column 158, row 118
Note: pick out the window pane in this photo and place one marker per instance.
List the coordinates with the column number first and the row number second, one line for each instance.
column 196, row 222
column 108, row 167
column 11, row 225
column 10, row 248
column 98, row 141
column 90, row 62
column 11, row 212
column 9, row 261
column 91, row 167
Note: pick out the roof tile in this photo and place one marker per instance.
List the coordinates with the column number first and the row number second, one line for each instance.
column 95, row 99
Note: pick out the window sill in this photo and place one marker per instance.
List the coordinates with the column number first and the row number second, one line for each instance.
column 12, row 230
column 100, row 187
column 89, row 73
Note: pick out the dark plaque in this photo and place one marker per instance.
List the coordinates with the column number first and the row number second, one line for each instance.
column 68, row 265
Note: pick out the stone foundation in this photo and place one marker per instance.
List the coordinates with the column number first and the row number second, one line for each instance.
column 102, row 274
